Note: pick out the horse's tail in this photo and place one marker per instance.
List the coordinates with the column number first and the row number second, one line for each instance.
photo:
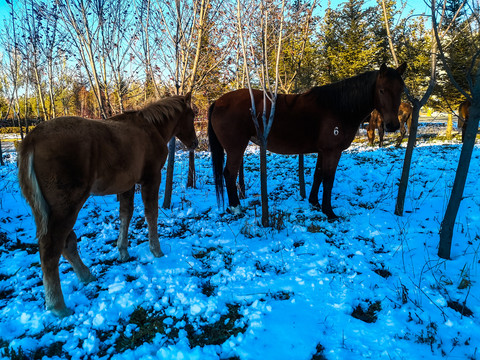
column 31, row 190
column 217, row 153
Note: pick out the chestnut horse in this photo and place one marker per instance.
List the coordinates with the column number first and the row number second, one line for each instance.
column 376, row 122
column 323, row 120
column 463, row 115
column 64, row 160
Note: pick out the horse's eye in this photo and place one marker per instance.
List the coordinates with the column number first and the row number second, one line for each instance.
column 381, row 91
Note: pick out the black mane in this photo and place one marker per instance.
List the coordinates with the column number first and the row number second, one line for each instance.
column 352, row 95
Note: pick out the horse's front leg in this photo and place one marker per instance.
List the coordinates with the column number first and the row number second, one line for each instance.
column 150, row 201
column 126, row 211
column 317, row 180
column 230, row 173
column 51, row 246
column 329, row 167
column 381, row 133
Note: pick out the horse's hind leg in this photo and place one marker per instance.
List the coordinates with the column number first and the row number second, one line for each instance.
column 51, row 246
column 317, row 180
column 230, row 173
column 329, row 167
column 150, row 201
column 126, row 211
column 70, row 252
column 241, row 181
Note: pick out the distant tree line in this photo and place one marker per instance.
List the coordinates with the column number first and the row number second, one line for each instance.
column 98, row 58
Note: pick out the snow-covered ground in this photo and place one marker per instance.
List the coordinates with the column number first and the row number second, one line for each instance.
column 368, row 286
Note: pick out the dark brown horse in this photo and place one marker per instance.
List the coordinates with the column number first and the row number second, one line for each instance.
column 376, row 122
column 463, row 115
column 63, row 161
column 323, row 120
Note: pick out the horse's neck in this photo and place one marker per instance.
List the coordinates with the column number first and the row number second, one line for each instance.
column 351, row 99
column 166, row 130
column 357, row 96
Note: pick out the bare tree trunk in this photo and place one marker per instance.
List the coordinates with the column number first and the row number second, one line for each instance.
column 412, row 138
column 417, row 105
column 448, row 222
column 201, row 25
column 192, row 176
column 171, row 145
column 389, row 36
column 51, row 92
column 268, row 94
column 84, row 43
column 263, row 181
column 167, row 200
column 1, row 155
column 40, row 92
column 26, row 104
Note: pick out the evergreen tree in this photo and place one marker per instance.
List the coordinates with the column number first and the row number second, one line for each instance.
column 349, row 44
column 459, row 46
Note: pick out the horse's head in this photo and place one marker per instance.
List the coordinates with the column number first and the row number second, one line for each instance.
column 186, row 129
column 388, row 90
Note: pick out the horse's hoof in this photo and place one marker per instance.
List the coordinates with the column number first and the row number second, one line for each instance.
column 91, row 278
column 61, row 313
column 88, row 279
column 157, row 253
column 235, row 210
column 315, row 205
column 331, row 217
column 123, row 257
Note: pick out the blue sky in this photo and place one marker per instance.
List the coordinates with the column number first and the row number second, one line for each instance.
column 417, row 6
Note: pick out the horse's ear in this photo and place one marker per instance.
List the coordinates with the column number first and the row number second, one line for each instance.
column 188, row 98
column 401, row 69
column 383, row 69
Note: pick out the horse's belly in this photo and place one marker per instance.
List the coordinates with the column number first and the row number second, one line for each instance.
column 115, row 184
column 291, row 147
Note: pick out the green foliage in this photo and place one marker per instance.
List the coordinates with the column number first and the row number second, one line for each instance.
column 343, row 42
column 14, row 130
column 349, row 46
column 460, row 45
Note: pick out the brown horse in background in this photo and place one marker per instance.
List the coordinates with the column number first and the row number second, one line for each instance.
column 64, row 160
column 323, row 120
column 376, row 122
column 463, row 115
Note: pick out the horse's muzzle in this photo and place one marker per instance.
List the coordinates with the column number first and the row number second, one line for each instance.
column 391, row 127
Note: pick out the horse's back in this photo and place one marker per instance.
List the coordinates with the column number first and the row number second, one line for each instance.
column 294, row 130
column 98, row 156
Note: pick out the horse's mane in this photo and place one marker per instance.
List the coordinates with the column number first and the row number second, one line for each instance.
column 346, row 95
column 163, row 110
